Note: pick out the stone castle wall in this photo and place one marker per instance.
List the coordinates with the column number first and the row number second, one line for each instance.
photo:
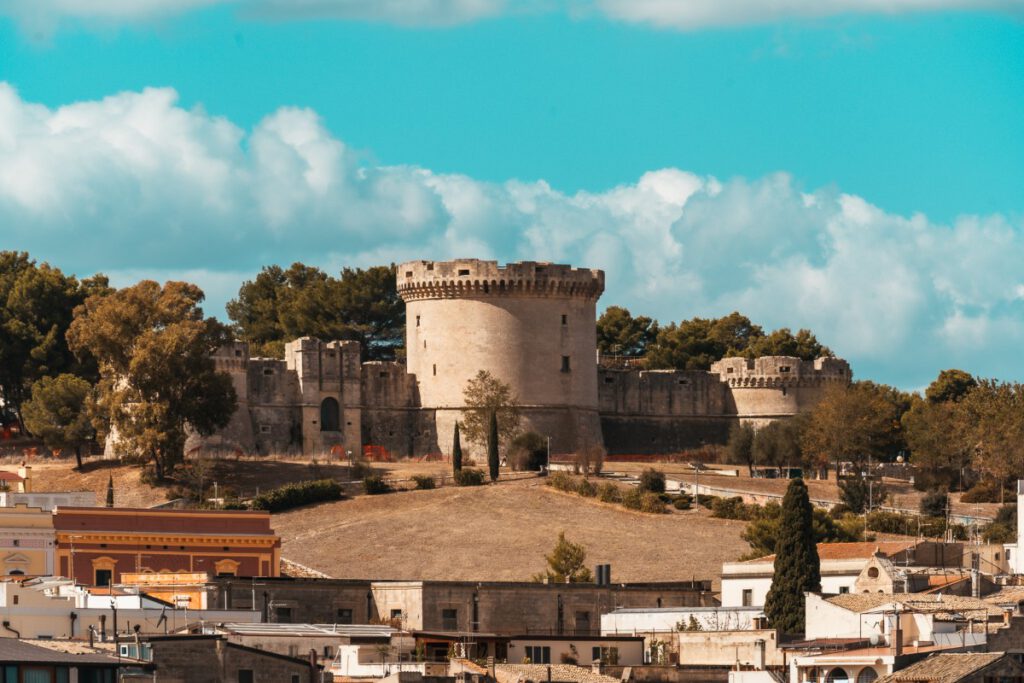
column 531, row 325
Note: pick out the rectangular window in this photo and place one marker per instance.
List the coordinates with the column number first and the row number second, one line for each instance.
column 435, row 369
column 595, row 653
column 784, row 368
column 748, row 597
column 565, row 364
column 408, row 273
column 344, row 615
column 463, row 271
column 565, row 319
column 104, row 576
column 844, row 589
column 264, row 429
column 417, row 321
column 538, row 655
column 245, row 676
column 283, row 615
column 295, row 678
column 268, row 371
column 450, row 619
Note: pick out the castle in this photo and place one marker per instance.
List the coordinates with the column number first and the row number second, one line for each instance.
column 532, row 326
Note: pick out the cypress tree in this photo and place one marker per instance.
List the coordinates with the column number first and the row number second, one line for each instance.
column 797, row 567
column 456, row 451
column 492, row 446
column 110, row 492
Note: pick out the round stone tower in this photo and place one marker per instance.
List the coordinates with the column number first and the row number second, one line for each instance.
column 531, row 325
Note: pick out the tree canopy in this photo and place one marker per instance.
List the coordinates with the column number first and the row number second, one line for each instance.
column 854, row 422
column 486, row 395
column 567, row 563
column 797, row 567
column 620, row 334
column 58, row 413
column 280, row 305
column 697, row 343
column 157, row 375
column 37, row 303
column 950, row 385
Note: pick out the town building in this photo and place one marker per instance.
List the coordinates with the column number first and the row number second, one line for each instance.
column 211, row 658
column 966, row 667
column 746, row 584
column 96, row 546
column 531, row 325
column 27, row 541
column 16, row 489
column 57, row 608
column 506, row 608
column 20, row 661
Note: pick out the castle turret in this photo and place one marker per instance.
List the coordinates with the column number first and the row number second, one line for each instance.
column 771, row 387
column 531, row 325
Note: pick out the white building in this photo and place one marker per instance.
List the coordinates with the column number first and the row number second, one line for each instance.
column 655, row 620
column 1015, row 551
column 746, row 584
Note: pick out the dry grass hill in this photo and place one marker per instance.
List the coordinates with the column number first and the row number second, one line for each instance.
column 500, row 533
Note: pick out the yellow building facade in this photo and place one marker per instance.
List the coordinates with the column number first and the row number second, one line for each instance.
column 27, row 541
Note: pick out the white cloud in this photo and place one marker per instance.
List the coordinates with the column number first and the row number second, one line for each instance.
column 696, row 14
column 137, row 186
column 42, row 16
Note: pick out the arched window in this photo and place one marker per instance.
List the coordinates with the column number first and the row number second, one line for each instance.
column 330, row 415
column 837, row 675
column 867, row 675
column 872, row 572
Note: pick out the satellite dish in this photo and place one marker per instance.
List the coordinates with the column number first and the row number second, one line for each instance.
column 875, row 639
column 899, row 458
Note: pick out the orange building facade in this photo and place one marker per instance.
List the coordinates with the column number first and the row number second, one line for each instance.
column 95, row 546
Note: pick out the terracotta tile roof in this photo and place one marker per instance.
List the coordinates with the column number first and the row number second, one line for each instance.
column 9, row 476
column 1006, row 595
column 853, row 551
column 944, row 668
column 917, row 602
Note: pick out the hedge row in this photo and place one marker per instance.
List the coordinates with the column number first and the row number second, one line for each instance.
column 293, row 495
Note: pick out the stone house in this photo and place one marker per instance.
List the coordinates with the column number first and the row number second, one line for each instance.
column 214, row 659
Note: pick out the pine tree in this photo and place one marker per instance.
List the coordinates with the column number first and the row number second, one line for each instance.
column 456, row 451
column 492, row 446
column 110, row 492
column 797, row 567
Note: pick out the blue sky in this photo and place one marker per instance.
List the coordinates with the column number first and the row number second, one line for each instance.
column 856, row 173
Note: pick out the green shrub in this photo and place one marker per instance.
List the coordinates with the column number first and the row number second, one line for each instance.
column 632, row 498
column 562, row 481
column 652, row 481
column 586, row 488
column 982, row 492
column 609, row 493
column 683, row 502
column 731, row 508
column 933, row 503
column 706, row 500
column 839, row 510
column 375, row 484
column 896, row 523
column 293, row 495
column 469, row 476
column 424, row 482
column 652, row 502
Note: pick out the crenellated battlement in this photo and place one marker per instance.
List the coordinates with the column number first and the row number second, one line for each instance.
column 781, row 371
column 476, row 278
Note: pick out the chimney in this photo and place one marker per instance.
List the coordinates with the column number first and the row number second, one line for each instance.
column 897, row 636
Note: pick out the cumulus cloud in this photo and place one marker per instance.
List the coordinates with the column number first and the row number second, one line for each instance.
column 137, row 186
column 43, row 15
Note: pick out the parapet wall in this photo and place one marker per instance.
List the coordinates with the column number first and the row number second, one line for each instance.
column 473, row 277
column 767, row 388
